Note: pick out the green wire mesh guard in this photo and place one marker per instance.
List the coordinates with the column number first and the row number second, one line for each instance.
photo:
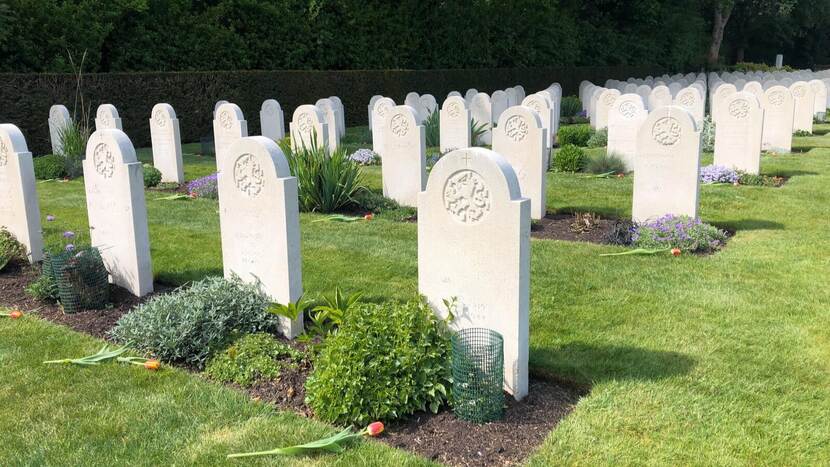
column 478, row 374
column 80, row 277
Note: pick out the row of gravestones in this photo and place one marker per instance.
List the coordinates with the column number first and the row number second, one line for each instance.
column 471, row 198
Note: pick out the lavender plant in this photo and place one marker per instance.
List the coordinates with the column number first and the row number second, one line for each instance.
column 718, row 174
column 205, row 187
column 365, row 157
column 671, row 231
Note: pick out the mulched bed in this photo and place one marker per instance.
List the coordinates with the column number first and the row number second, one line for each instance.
column 441, row 437
column 559, row 227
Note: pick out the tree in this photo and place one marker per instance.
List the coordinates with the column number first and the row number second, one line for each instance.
column 723, row 10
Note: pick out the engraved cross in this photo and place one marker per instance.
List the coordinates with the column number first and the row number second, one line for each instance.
column 467, row 158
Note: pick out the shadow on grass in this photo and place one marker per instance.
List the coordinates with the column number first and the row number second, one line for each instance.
column 790, row 173
column 179, row 278
column 605, row 212
column 586, row 364
column 749, row 224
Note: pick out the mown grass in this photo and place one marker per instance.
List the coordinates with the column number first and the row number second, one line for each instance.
column 720, row 359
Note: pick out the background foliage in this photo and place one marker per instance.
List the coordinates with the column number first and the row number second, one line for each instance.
column 181, row 35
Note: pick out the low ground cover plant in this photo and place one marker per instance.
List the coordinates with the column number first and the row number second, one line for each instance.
column 252, row 358
column 708, row 136
column 712, row 174
column 605, row 163
column 152, row 176
column 683, row 232
column 387, row 361
column 11, row 250
column 204, row 187
column 598, row 139
column 191, row 323
column 365, row 157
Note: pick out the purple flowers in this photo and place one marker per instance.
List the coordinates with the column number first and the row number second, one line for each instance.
column 70, row 247
column 50, row 218
column 205, row 187
column 718, row 174
column 68, row 234
column 682, row 232
column 364, row 157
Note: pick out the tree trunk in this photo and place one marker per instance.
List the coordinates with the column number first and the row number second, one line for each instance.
column 721, row 18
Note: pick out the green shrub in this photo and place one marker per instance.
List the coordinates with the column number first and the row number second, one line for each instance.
column 192, row 323
column 252, row 358
column 387, row 361
column 11, row 250
column 44, row 288
column 802, row 133
column 49, row 167
column 571, row 106
column 759, row 180
column 73, row 138
column 327, row 181
column 708, row 137
column 577, row 135
column 599, row 139
column 152, row 176
column 477, row 130
column 432, row 129
column 605, row 163
column 379, row 205
column 569, row 158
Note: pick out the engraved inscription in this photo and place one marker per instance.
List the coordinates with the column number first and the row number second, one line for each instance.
column 739, row 108
column 399, row 125
column 103, row 160
column 4, row 153
column 466, row 197
column 305, row 123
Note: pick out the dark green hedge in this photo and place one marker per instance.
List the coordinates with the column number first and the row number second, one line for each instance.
column 26, row 98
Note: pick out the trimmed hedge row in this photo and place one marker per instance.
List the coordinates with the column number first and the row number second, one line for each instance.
column 26, row 98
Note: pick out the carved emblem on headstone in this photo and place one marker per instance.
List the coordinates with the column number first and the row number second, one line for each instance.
column 628, row 109
column 225, row 119
column 776, row 98
column 466, row 197
column 516, row 128
column 159, row 119
column 687, row 99
column 248, row 175
column 454, row 109
column 4, row 153
column 739, row 108
column 103, row 160
column 666, row 131
column 399, row 125
column 305, row 123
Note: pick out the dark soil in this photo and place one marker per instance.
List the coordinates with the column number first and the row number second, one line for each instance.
column 560, row 227
column 94, row 322
column 441, row 437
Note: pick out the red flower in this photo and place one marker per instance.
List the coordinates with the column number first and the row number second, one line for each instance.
column 16, row 314
column 675, row 251
column 369, row 217
column 374, row 428
column 192, row 194
column 620, row 175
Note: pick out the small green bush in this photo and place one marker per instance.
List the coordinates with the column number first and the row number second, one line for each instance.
column 759, row 180
column 73, row 138
column 599, row 139
column 386, row 361
column 379, row 205
column 49, row 167
column 571, row 106
column 192, row 323
column 802, row 133
column 432, row 129
column 577, row 135
column 569, row 158
column 152, row 176
column 44, row 288
column 11, row 250
column 252, row 358
column 327, row 181
column 605, row 163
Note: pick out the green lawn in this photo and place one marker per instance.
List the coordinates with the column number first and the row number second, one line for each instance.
column 721, row 359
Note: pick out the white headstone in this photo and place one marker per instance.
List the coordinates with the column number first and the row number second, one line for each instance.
column 738, row 133
column 372, row 101
column 382, row 107
column 260, row 222
column 272, row 120
column 167, row 143
column 542, row 106
column 660, row 96
column 455, row 124
column 521, row 138
column 481, row 111
column 428, row 103
column 228, row 126
column 667, row 166
column 19, row 208
column 341, row 116
column 690, row 99
column 58, row 119
column 308, row 128
column 329, row 111
column 719, row 96
column 604, row 104
column 117, row 211
column 499, row 102
column 819, row 97
column 624, row 120
column 403, row 164
column 779, row 111
column 474, row 246
column 107, row 118
column 217, row 105
column 779, row 61
column 804, row 106
column 468, row 96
